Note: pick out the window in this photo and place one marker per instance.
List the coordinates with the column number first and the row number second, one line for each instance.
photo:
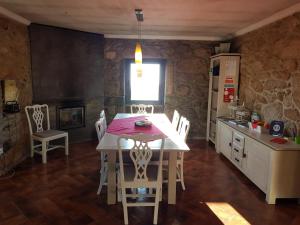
column 148, row 89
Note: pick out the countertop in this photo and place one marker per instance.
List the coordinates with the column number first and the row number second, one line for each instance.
column 264, row 137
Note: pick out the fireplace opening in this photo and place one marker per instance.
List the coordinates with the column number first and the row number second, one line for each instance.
column 70, row 116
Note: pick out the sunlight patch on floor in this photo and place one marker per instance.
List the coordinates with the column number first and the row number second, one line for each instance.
column 226, row 213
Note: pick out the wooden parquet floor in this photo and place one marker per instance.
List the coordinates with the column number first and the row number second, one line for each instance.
column 64, row 192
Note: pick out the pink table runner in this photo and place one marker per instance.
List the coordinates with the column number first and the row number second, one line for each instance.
column 127, row 126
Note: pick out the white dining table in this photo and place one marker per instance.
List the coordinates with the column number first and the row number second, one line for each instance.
column 173, row 144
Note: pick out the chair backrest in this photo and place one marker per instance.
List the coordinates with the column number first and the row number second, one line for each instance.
column 141, row 155
column 183, row 128
column 142, row 109
column 101, row 126
column 175, row 119
column 38, row 118
column 102, row 114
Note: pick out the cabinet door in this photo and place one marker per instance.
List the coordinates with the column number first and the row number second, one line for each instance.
column 257, row 162
column 224, row 139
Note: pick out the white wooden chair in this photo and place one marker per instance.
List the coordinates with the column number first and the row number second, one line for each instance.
column 101, row 126
column 142, row 109
column 140, row 173
column 183, row 131
column 175, row 119
column 39, row 128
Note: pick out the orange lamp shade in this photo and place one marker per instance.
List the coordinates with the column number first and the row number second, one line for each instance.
column 138, row 59
column 138, row 53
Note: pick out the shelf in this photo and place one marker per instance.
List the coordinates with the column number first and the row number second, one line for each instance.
column 225, row 54
column 221, row 65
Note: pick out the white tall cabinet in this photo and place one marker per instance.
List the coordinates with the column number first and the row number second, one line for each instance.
column 223, row 68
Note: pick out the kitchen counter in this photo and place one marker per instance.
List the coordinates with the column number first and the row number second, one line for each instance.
column 271, row 167
column 264, row 137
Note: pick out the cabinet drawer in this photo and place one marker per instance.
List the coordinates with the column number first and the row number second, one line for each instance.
column 237, row 149
column 237, row 159
column 238, row 140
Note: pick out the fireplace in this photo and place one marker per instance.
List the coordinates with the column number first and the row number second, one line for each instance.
column 71, row 115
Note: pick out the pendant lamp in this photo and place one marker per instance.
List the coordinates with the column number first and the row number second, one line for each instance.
column 138, row 57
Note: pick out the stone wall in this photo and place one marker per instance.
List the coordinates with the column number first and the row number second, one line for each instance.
column 186, row 77
column 270, row 70
column 69, row 71
column 15, row 65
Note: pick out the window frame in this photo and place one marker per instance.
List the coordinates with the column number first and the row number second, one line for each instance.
column 162, row 82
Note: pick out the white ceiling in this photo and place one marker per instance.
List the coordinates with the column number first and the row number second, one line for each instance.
column 173, row 18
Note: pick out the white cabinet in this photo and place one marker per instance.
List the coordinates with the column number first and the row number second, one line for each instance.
column 273, row 168
column 257, row 166
column 224, row 140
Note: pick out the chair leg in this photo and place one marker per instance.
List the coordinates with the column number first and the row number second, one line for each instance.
column 101, row 182
column 124, row 203
column 119, row 192
column 44, row 151
column 103, row 178
column 181, row 177
column 160, row 192
column 31, row 147
column 178, row 172
column 119, row 197
column 157, row 197
column 67, row 145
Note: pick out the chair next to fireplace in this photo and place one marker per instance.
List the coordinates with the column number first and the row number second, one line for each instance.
column 39, row 128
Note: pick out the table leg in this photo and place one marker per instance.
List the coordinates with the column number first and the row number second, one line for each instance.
column 172, row 178
column 111, row 178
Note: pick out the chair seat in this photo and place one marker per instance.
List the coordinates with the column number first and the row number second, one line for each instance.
column 129, row 172
column 49, row 133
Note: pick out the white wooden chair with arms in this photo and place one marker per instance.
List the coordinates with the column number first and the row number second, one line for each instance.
column 142, row 109
column 140, row 173
column 38, row 118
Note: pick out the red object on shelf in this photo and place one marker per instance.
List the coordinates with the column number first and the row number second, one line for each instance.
column 228, row 89
column 254, row 125
column 267, row 126
column 279, row 140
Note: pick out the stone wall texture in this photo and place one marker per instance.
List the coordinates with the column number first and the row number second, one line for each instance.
column 75, row 62
column 15, row 65
column 186, row 77
column 270, row 70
